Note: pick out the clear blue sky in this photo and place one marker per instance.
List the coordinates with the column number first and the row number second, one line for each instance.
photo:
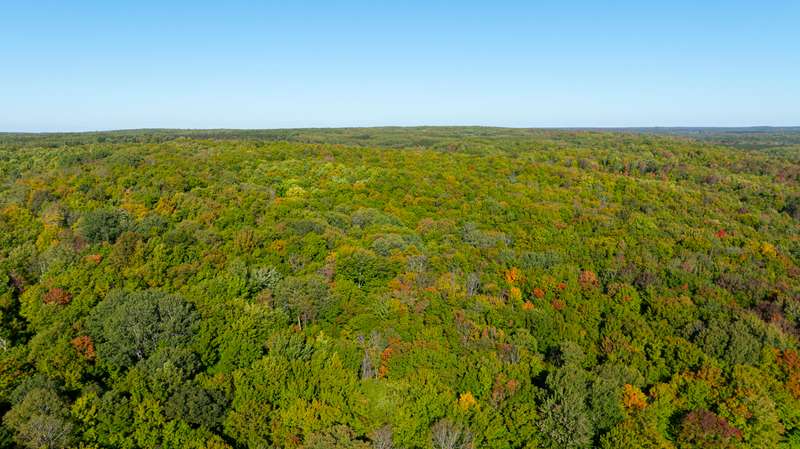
column 87, row 65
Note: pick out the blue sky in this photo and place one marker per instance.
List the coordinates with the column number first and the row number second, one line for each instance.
column 89, row 65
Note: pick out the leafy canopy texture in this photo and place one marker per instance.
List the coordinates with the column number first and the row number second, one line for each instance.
column 400, row 288
column 129, row 327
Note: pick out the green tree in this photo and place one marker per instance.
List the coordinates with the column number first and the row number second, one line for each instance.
column 304, row 298
column 128, row 327
column 40, row 420
column 565, row 418
column 103, row 224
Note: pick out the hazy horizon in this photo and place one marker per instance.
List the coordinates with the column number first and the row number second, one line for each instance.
column 377, row 127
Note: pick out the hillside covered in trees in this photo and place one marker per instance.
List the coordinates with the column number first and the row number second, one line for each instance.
column 408, row 288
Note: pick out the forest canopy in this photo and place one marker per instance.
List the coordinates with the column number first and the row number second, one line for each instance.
column 413, row 288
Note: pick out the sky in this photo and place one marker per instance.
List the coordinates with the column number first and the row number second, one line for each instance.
column 96, row 65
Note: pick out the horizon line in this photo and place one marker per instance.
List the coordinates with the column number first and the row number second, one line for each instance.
column 544, row 128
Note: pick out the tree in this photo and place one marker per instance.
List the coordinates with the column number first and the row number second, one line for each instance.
column 639, row 432
column 195, row 405
column 304, row 297
column 564, row 423
column 103, row 225
column 362, row 267
column 128, row 327
column 604, row 396
column 382, row 438
column 564, row 415
column 446, row 434
column 702, row 428
column 792, row 207
column 40, row 420
column 336, row 437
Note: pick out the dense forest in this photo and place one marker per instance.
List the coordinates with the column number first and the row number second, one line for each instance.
column 407, row 288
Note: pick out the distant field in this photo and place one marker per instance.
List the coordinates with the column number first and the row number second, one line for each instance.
column 401, row 287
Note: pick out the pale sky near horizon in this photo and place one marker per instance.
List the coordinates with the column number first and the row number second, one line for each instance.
column 94, row 65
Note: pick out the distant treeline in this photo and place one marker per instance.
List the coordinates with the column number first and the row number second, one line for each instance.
column 425, row 136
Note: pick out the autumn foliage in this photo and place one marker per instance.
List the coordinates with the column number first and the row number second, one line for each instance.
column 94, row 258
column 399, row 288
column 704, row 429
column 527, row 306
column 466, row 401
column 84, row 346
column 386, row 354
column 57, row 296
column 513, row 275
column 588, row 279
column 789, row 361
column 633, row 398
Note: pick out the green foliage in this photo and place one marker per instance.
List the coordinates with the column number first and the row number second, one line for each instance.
column 129, row 327
column 337, row 437
column 362, row 267
column 564, row 417
column 400, row 288
column 305, row 297
column 101, row 225
column 40, row 420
